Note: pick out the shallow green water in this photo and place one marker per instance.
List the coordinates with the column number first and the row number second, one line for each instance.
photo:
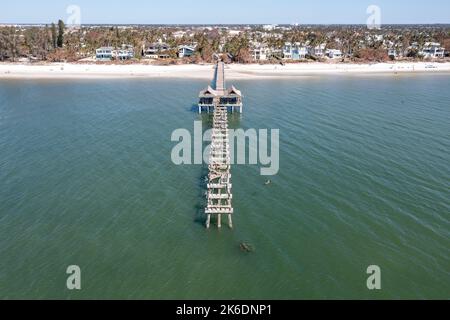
column 86, row 178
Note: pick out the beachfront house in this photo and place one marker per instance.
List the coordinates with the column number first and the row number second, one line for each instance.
column 432, row 50
column 294, row 51
column 334, row 53
column 104, row 54
column 318, row 51
column 186, row 51
column 126, row 52
column 157, row 50
column 259, row 53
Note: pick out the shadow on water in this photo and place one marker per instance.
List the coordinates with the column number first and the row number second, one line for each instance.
column 200, row 216
column 194, row 108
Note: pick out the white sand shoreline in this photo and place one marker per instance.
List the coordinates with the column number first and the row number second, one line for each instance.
column 234, row 71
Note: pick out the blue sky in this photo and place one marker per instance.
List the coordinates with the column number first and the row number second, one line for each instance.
column 226, row 11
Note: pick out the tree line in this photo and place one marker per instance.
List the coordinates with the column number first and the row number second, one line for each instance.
column 55, row 42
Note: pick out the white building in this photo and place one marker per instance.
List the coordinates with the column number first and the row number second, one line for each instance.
column 104, row 53
column 270, row 27
column 126, row 52
column 432, row 50
column 260, row 53
column 334, row 53
column 318, row 51
column 233, row 33
column 157, row 50
column 179, row 34
column 186, row 51
column 294, row 51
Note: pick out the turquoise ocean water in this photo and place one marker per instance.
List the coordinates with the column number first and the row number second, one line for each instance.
column 86, row 178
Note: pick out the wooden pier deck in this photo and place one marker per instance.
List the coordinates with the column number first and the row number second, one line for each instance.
column 220, row 78
column 220, row 100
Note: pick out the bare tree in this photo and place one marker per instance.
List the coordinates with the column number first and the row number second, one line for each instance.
column 11, row 38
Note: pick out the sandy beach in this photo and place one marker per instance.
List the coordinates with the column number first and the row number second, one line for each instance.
column 234, row 71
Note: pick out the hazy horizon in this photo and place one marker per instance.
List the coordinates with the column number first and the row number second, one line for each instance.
column 225, row 24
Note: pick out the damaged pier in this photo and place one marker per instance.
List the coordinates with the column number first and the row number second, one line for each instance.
column 220, row 101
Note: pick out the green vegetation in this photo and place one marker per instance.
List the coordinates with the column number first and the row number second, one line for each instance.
column 60, row 39
column 56, row 42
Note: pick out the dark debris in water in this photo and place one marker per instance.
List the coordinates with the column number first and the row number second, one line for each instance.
column 246, row 247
